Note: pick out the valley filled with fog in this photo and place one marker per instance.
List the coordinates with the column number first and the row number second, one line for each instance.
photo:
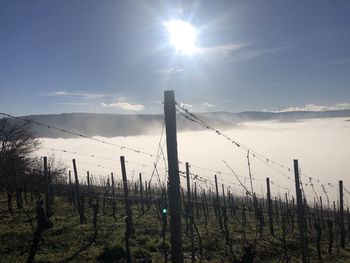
column 322, row 147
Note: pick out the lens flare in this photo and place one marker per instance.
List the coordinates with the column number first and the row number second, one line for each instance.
column 182, row 35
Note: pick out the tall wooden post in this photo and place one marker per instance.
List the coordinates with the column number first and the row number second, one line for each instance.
column 190, row 212
column 269, row 206
column 223, row 196
column 78, row 197
column 89, row 186
column 128, row 211
column 141, row 193
column 173, row 177
column 322, row 213
column 69, row 179
column 287, row 201
column 348, row 213
column 195, row 199
column 88, row 180
column 129, row 223
column 341, row 215
column 71, row 195
column 113, row 186
column 47, row 188
column 114, row 200
column 224, row 212
column 300, row 214
column 218, row 202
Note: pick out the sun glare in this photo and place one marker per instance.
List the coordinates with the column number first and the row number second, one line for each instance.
column 182, row 35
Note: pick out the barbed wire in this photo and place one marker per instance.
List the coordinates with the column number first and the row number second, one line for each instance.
column 122, row 147
column 200, row 178
column 199, row 121
column 97, row 156
column 188, row 115
column 268, row 161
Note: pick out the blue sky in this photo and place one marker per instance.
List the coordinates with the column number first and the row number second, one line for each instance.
column 115, row 56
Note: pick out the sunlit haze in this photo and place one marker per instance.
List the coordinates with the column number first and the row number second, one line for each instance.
column 322, row 147
column 182, row 35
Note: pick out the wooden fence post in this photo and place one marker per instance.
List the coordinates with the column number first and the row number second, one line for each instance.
column 276, row 208
column 88, row 185
column 113, row 185
column 173, row 178
column 300, row 214
column 341, row 214
column 126, row 196
column 224, row 214
column 71, row 192
column 195, row 199
column 269, row 203
column 128, row 220
column 47, row 189
column 114, row 200
column 348, row 213
column 322, row 212
column 218, row 202
column 78, row 197
column 141, row 193
column 190, row 212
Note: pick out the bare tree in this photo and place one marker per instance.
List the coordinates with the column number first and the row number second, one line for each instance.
column 17, row 145
column 57, row 168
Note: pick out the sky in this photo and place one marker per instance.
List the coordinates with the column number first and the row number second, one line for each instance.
column 117, row 56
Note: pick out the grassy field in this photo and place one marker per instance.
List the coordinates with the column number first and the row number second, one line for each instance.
column 69, row 241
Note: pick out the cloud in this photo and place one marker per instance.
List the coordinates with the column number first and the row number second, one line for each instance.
column 208, row 105
column 82, row 95
column 171, row 71
column 72, row 103
column 314, row 107
column 239, row 51
column 252, row 54
column 124, row 106
column 186, row 106
column 58, row 93
column 221, row 50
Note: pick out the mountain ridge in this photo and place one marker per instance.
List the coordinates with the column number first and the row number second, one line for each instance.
column 113, row 125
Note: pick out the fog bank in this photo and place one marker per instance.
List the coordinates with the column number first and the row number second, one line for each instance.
column 322, row 147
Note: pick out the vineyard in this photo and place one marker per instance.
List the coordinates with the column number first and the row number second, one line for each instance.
column 189, row 217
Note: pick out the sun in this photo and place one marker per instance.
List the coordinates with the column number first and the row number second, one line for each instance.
column 182, row 35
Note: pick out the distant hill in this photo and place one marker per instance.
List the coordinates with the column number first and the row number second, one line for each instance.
column 281, row 116
column 110, row 125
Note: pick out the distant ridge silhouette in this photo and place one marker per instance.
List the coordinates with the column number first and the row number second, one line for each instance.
column 111, row 125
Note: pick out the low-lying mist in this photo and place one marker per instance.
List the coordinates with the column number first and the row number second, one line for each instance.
column 322, row 147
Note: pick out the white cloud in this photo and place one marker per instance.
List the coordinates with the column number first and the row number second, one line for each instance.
column 222, row 50
column 240, row 51
column 314, row 107
column 124, row 106
column 58, row 93
column 83, row 95
column 252, row 54
column 72, row 103
column 208, row 105
column 171, row 71
column 186, row 106
column 343, row 106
